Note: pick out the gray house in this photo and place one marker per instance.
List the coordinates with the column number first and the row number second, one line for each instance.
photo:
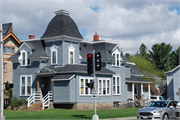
column 173, row 83
column 55, row 65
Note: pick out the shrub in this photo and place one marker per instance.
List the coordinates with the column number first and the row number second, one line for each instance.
column 15, row 102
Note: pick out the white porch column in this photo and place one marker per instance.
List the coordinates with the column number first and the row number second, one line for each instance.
column 133, row 91
column 149, row 90
column 141, row 89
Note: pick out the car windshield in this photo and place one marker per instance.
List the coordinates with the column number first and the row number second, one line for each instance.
column 157, row 104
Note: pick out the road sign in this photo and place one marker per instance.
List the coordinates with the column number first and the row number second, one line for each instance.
column 94, row 94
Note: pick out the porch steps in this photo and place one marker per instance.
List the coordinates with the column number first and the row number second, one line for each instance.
column 35, row 107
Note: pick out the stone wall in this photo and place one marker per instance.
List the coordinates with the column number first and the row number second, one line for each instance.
column 90, row 106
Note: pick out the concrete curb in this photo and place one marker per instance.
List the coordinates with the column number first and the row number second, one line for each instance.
column 124, row 118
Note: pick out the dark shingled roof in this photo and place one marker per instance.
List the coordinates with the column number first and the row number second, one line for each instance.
column 39, row 50
column 135, row 71
column 124, row 58
column 136, row 79
column 104, row 47
column 77, row 68
column 62, row 25
column 6, row 27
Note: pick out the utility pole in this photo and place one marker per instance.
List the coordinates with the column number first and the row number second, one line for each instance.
column 179, row 55
column 2, row 75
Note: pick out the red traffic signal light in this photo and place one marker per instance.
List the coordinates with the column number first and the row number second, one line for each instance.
column 89, row 55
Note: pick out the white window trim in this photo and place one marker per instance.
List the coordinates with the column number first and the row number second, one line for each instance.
column 116, row 85
column 54, row 48
column 106, row 79
column 116, row 52
column 84, row 78
column 26, row 59
column 26, row 76
column 71, row 48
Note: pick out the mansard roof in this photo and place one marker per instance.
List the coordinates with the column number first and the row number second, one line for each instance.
column 104, row 47
column 62, row 24
column 38, row 50
column 75, row 68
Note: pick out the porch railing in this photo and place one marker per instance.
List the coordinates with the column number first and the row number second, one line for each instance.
column 46, row 100
column 36, row 96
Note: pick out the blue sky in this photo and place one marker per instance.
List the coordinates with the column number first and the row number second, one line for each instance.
column 128, row 23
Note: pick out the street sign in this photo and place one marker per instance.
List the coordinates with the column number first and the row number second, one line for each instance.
column 94, row 94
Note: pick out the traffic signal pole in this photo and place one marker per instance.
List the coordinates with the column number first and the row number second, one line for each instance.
column 95, row 116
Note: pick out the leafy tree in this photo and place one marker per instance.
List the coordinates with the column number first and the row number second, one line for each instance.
column 174, row 58
column 127, row 55
column 143, row 50
column 159, row 55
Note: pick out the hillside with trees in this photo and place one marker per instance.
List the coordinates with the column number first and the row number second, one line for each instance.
column 153, row 63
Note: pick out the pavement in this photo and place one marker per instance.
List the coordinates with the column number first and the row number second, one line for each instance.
column 124, row 118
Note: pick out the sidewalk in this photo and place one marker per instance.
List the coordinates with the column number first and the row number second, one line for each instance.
column 124, row 118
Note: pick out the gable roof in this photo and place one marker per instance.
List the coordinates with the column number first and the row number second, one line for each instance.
column 6, row 27
column 38, row 50
column 173, row 70
column 62, row 25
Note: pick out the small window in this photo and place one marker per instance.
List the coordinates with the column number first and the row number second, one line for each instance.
column 5, row 67
column 84, row 89
column 116, row 57
column 116, row 85
column 104, row 87
column 8, row 50
column 54, row 57
column 71, row 58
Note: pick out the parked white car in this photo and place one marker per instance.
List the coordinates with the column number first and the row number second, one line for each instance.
column 155, row 98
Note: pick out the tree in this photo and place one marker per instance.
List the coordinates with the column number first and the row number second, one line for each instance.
column 127, row 55
column 143, row 51
column 174, row 59
column 159, row 55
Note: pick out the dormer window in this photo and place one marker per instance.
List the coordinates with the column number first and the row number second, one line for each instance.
column 25, row 61
column 117, row 57
column 54, row 55
column 71, row 56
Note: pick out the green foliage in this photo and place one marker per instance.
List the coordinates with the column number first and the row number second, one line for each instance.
column 15, row 102
column 147, row 68
column 143, row 51
column 174, row 59
column 159, row 55
column 127, row 55
column 8, row 93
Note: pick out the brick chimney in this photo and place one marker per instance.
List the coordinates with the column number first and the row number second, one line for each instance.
column 96, row 37
column 31, row 36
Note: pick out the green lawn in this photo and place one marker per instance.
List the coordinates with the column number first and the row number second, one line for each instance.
column 70, row 114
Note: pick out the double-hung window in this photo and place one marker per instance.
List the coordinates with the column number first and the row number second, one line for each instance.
column 84, row 89
column 116, row 85
column 54, row 55
column 104, row 87
column 25, row 85
column 25, row 61
column 116, row 59
column 71, row 54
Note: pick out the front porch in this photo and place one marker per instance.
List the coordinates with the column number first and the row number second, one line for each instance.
column 136, row 86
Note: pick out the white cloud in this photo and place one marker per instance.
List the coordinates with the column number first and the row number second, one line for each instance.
column 130, row 23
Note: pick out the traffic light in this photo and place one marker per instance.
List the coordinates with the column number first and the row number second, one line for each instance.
column 90, row 85
column 8, row 86
column 98, row 61
column 90, row 63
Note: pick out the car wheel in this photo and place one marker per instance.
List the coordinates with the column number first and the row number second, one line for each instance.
column 165, row 117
